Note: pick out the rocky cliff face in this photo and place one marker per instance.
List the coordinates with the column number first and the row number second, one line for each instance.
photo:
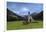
column 39, row 16
column 13, row 16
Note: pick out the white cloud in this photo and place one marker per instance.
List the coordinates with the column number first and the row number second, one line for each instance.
column 24, row 9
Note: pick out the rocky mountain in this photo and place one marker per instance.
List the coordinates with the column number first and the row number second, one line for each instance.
column 12, row 16
column 38, row 16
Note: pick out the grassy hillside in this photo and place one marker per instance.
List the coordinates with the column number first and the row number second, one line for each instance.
column 19, row 25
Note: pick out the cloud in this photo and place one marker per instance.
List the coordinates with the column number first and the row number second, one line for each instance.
column 23, row 8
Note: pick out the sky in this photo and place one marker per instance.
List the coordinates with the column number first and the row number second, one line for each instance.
column 21, row 8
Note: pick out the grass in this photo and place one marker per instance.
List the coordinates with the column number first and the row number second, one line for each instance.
column 19, row 25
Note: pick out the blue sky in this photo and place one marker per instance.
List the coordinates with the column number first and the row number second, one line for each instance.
column 23, row 8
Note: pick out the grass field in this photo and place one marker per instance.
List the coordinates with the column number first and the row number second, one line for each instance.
column 19, row 25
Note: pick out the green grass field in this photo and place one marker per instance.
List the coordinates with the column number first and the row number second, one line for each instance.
column 19, row 25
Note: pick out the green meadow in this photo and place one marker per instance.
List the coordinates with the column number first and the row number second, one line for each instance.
column 15, row 25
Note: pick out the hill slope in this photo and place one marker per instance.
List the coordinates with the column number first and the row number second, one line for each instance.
column 12, row 16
